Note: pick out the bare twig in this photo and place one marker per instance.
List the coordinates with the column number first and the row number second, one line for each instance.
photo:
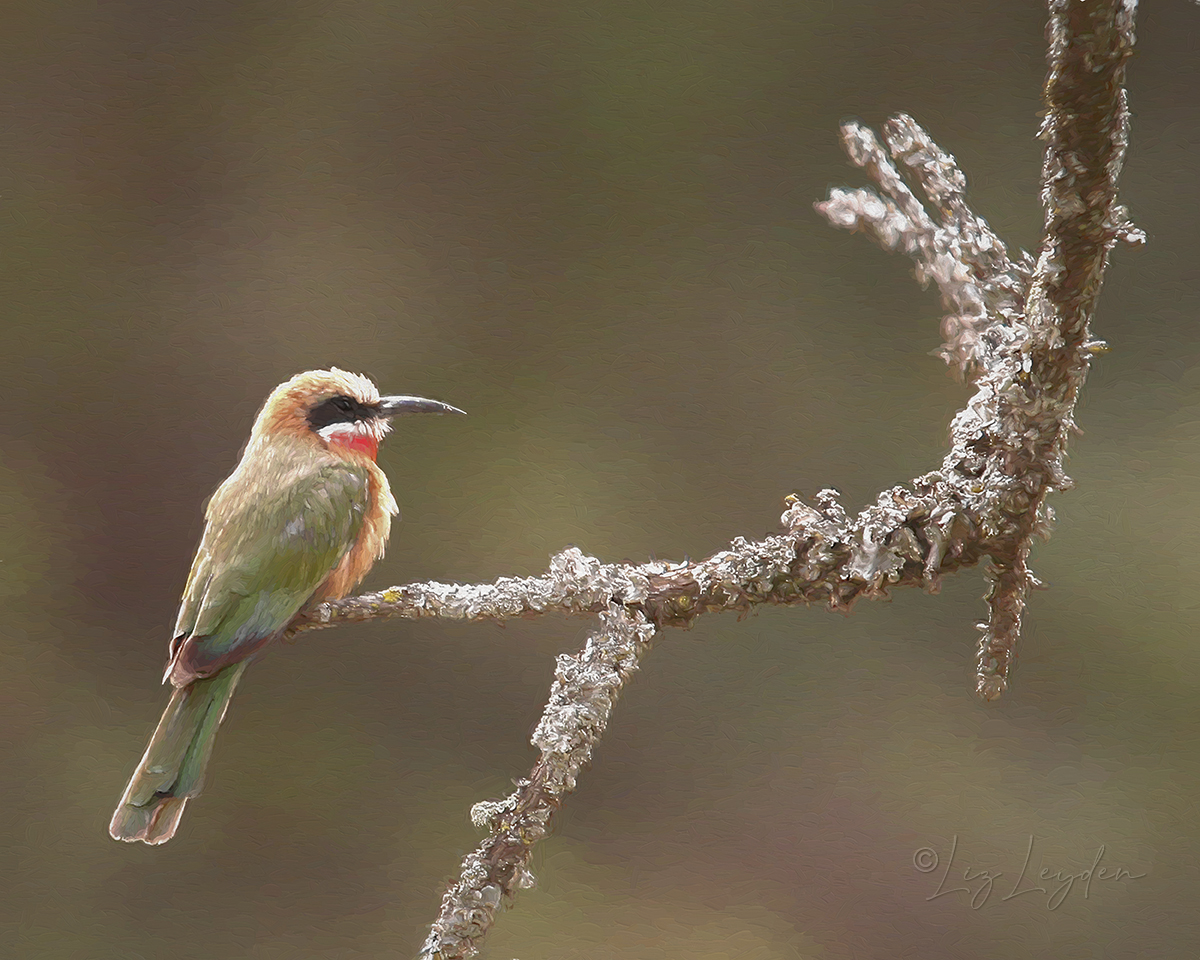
column 1016, row 328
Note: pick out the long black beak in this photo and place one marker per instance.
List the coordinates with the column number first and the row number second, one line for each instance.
column 398, row 406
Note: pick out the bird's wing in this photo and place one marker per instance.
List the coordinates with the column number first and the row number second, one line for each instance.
column 260, row 561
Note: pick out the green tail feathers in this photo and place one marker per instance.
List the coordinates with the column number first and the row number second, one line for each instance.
column 172, row 771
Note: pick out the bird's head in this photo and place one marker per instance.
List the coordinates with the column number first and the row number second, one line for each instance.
column 341, row 410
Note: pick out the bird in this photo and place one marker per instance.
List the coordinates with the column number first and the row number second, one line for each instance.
column 302, row 519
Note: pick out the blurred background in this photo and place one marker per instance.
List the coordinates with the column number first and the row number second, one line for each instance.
column 589, row 225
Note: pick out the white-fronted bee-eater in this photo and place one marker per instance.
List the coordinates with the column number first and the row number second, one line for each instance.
column 302, row 518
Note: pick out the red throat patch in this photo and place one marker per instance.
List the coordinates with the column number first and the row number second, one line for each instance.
column 360, row 441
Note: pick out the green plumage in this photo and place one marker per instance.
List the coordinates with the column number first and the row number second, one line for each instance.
column 261, row 561
column 276, row 529
column 172, row 771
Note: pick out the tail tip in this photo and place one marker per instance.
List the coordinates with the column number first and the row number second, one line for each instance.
column 154, row 823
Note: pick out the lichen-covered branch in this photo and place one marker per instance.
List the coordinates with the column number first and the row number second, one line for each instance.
column 908, row 538
column 959, row 252
column 585, row 689
column 1017, row 328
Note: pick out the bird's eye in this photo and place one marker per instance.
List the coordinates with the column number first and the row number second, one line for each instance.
column 336, row 409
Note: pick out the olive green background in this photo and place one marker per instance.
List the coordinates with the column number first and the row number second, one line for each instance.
column 590, row 225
